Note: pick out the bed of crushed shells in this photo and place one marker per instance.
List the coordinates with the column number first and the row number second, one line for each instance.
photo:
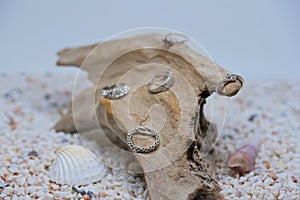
column 32, row 103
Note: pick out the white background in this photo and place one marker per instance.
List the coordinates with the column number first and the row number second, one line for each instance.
column 257, row 39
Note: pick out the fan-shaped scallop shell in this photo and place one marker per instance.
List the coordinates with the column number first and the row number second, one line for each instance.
column 76, row 165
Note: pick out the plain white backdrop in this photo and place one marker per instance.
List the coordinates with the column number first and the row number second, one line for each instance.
column 257, row 39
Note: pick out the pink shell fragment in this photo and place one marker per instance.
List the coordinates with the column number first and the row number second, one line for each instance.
column 242, row 161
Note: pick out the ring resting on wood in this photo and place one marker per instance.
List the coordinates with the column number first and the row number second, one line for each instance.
column 182, row 167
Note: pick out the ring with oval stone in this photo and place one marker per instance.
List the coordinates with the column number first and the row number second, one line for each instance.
column 229, row 78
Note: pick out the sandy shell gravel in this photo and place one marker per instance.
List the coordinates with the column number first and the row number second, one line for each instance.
column 30, row 105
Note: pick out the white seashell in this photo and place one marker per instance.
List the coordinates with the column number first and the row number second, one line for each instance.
column 76, row 165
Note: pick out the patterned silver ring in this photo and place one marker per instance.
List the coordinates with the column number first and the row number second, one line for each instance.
column 155, row 84
column 144, row 130
column 228, row 79
column 115, row 91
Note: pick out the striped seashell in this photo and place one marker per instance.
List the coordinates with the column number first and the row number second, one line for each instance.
column 76, row 165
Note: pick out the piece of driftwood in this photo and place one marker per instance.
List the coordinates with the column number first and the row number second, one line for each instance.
column 183, row 165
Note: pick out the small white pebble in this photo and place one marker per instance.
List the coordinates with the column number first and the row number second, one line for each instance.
column 138, row 191
column 268, row 181
column 14, row 159
column 65, row 188
column 22, row 181
column 21, row 191
column 131, row 179
column 31, row 162
column 55, row 187
column 27, row 197
column 30, row 180
column 15, row 197
column 2, row 183
column 7, row 190
column 254, row 179
column 5, row 164
column 13, row 168
column 242, row 179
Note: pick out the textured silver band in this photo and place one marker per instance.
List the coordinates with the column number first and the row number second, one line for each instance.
column 229, row 78
column 115, row 91
column 143, row 130
column 166, row 77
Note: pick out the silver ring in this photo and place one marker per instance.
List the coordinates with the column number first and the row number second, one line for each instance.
column 145, row 131
column 228, row 79
column 167, row 80
column 115, row 91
